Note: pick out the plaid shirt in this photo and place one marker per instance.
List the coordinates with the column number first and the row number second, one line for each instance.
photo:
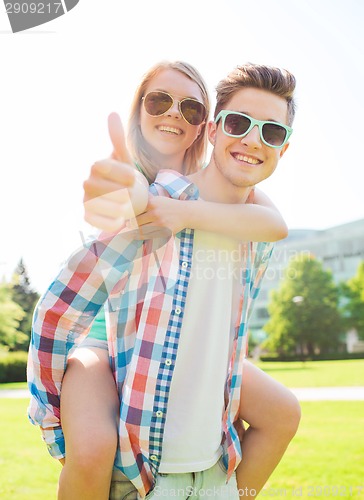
column 143, row 285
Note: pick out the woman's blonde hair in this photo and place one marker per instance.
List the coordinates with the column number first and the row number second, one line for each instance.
column 278, row 81
column 138, row 148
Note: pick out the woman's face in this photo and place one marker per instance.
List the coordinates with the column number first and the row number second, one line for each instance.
column 169, row 134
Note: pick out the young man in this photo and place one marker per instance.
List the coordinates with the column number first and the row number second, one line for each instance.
column 177, row 308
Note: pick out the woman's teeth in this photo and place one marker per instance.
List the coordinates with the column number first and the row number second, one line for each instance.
column 170, row 130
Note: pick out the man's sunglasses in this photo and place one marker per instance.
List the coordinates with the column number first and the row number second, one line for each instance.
column 235, row 124
column 157, row 103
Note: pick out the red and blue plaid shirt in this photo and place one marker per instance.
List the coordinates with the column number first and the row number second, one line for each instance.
column 143, row 285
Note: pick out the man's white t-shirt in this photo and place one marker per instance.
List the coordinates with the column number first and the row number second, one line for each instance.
column 193, row 431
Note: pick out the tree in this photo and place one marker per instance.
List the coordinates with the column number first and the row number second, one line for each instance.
column 353, row 292
column 304, row 314
column 11, row 314
column 26, row 297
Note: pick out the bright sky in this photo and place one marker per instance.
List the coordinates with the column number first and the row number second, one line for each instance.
column 60, row 81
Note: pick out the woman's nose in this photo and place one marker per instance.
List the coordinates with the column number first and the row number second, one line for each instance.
column 174, row 110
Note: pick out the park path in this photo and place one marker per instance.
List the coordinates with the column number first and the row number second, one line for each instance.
column 352, row 393
column 14, row 393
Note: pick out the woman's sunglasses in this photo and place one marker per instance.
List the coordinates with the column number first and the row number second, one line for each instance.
column 157, row 103
column 235, row 124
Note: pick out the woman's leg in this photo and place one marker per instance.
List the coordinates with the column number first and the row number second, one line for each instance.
column 89, row 415
column 273, row 414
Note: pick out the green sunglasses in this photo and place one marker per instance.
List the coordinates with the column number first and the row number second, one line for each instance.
column 235, row 124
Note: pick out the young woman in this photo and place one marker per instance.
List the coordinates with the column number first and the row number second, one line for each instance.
column 166, row 130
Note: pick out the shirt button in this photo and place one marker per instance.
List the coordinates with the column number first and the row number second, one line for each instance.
column 178, row 310
column 168, row 362
column 159, row 413
column 191, row 190
column 154, row 458
column 184, row 264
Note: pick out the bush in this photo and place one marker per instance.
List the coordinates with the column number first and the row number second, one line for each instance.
column 13, row 366
column 319, row 357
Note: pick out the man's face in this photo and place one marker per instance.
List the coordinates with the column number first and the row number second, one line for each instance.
column 245, row 161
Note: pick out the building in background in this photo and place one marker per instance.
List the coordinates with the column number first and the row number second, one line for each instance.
column 339, row 248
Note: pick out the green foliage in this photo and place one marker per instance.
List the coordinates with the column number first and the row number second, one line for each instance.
column 13, row 366
column 26, row 297
column 17, row 302
column 329, row 356
column 304, row 314
column 11, row 314
column 353, row 310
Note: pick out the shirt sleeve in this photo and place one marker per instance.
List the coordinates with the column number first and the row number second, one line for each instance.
column 63, row 316
column 261, row 253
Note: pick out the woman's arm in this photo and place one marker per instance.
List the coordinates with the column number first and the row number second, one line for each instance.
column 62, row 317
column 258, row 220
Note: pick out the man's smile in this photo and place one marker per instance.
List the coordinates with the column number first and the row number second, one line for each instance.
column 247, row 159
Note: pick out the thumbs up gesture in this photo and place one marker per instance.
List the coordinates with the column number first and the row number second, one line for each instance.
column 114, row 191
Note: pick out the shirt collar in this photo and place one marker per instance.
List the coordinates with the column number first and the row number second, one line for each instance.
column 177, row 185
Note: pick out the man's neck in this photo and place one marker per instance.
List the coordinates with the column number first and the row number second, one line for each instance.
column 213, row 186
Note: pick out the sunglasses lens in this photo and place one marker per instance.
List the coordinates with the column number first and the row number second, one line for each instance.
column 274, row 135
column 157, row 103
column 193, row 111
column 236, row 124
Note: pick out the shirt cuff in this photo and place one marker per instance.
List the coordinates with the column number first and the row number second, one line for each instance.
column 54, row 440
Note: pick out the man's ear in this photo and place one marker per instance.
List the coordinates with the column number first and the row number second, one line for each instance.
column 283, row 150
column 211, row 132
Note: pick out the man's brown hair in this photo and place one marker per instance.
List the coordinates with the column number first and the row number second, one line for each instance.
column 278, row 81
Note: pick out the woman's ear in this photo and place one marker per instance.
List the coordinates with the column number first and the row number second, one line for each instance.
column 211, row 132
column 200, row 127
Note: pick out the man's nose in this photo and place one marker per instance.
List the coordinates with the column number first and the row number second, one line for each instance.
column 252, row 139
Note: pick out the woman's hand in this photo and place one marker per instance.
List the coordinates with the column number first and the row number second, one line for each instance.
column 162, row 212
column 114, row 190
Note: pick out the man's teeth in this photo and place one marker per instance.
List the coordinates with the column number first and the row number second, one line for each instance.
column 171, row 130
column 247, row 159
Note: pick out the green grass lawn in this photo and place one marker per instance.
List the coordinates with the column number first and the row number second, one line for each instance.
column 327, row 451
column 27, row 471
column 14, row 385
column 316, row 373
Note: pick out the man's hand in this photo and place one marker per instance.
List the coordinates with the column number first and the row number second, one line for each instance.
column 114, row 191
